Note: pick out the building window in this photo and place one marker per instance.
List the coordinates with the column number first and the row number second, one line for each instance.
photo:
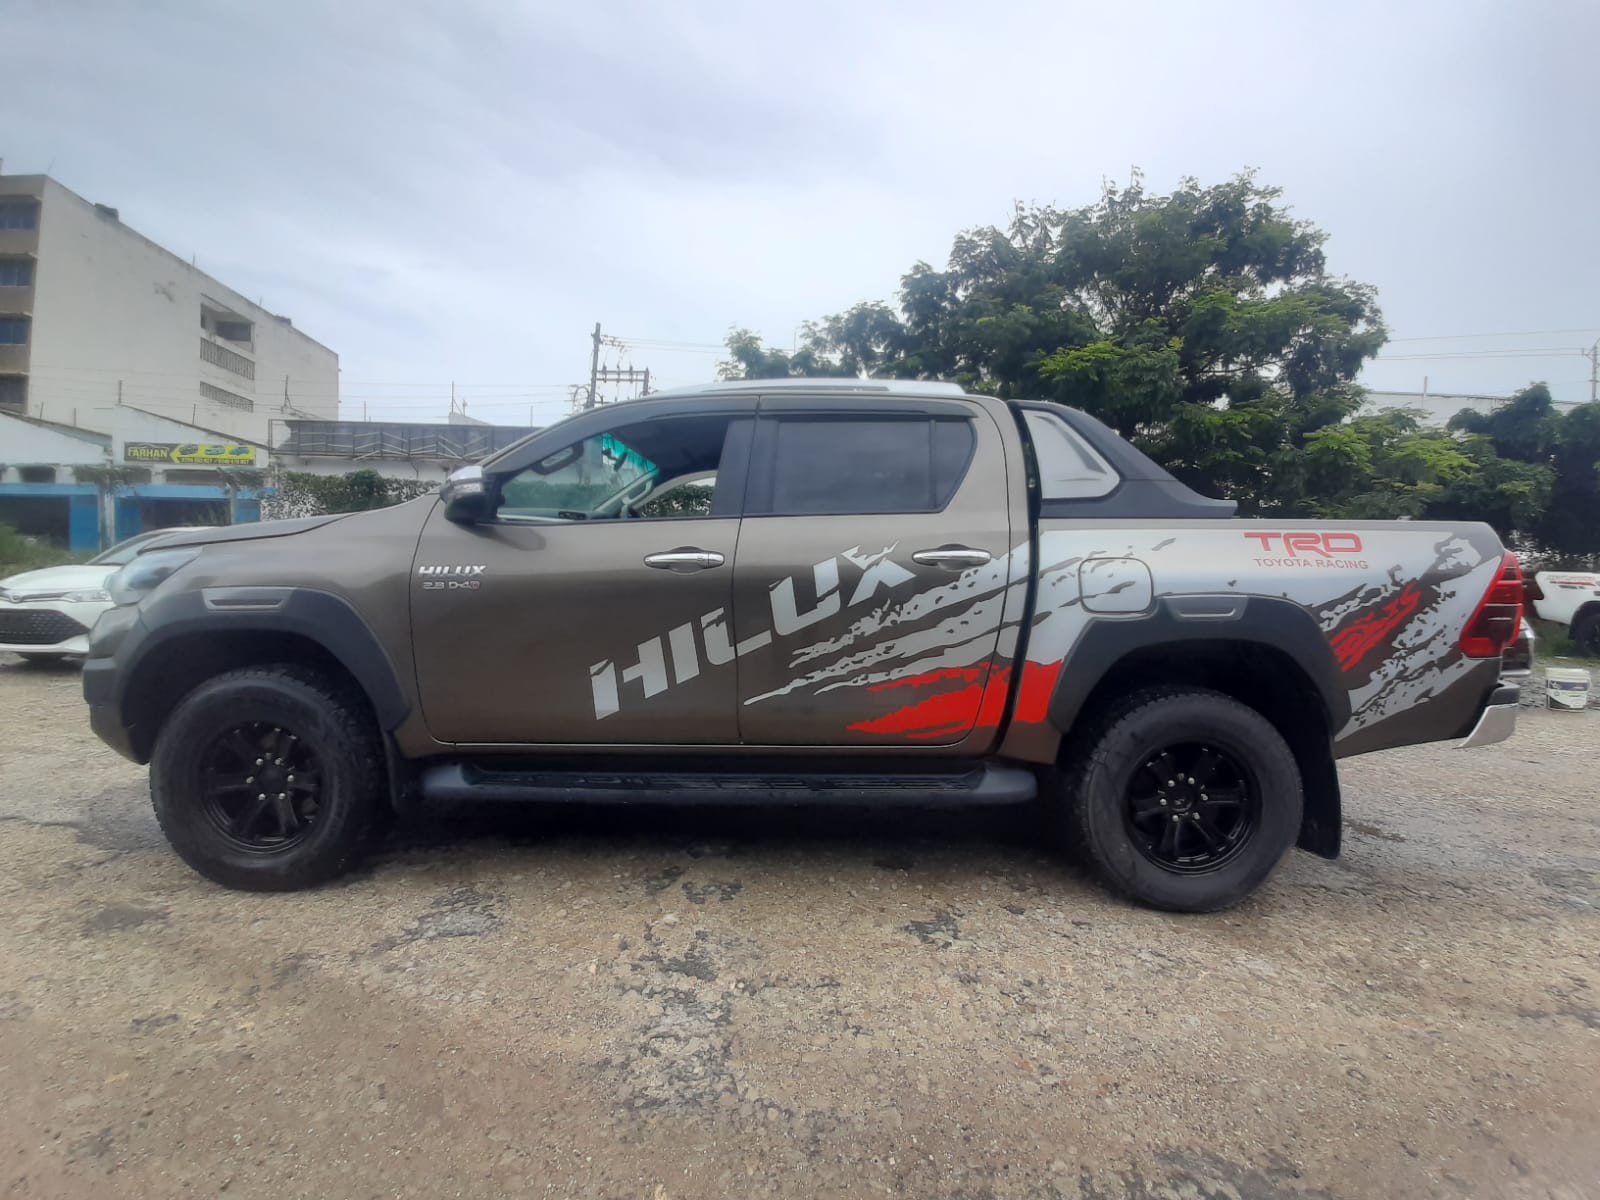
column 234, row 331
column 13, row 331
column 36, row 474
column 19, row 216
column 231, row 399
column 16, row 272
column 222, row 357
column 14, row 393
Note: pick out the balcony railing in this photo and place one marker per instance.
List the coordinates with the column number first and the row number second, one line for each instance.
column 221, row 356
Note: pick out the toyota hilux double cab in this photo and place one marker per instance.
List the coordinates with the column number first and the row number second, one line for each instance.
column 802, row 591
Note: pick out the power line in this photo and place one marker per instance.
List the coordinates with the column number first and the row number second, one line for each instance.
column 1529, row 352
column 1461, row 337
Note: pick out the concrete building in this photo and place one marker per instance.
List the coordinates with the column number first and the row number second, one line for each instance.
column 84, row 490
column 1438, row 407
column 92, row 312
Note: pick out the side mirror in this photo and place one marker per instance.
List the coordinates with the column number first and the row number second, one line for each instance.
column 467, row 496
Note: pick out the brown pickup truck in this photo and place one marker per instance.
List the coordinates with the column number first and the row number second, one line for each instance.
column 802, row 591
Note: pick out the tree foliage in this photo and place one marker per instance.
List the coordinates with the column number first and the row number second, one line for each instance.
column 302, row 494
column 1527, row 442
column 1205, row 327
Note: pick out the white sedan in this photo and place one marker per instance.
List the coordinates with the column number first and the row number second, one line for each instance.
column 47, row 614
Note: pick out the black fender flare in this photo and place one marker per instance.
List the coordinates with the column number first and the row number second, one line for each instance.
column 326, row 619
column 1176, row 620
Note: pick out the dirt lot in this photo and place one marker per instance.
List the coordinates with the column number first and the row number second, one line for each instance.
column 680, row 1004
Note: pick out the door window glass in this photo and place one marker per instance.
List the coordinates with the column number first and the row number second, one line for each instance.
column 654, row 469
column 843, row 465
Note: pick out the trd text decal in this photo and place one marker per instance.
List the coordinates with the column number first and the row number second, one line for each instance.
column 1304, row 548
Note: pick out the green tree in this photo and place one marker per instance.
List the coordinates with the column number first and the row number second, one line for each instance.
column 1532, row 441
column 1203, row 325
column 749, row 359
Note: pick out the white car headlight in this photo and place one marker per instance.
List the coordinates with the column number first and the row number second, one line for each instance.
column 90, row 596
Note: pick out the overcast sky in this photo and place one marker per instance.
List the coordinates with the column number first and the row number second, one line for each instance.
column 461, row 195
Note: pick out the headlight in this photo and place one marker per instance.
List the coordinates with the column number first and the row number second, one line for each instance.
column 146, row 573
column 94, row 596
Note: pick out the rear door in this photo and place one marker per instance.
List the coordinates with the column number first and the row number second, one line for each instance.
column 872, row 573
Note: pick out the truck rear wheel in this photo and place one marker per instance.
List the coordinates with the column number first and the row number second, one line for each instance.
column 267, row 779
column 1182, row 798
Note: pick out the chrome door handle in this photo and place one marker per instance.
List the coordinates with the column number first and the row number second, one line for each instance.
column 684, row 558
column 952, row 556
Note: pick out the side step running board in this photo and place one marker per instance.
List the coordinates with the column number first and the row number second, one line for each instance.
column 988, row 784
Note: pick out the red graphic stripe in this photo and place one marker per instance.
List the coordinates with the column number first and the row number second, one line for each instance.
column 1033, row 697
column 936, row 715
column 980, row 704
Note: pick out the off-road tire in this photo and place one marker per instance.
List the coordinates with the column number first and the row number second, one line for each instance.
column 351, row 803
column 1102, row 758
column 1586, row 635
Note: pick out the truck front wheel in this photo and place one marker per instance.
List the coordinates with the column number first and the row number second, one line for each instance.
column 1182, row 798
column 268, row 778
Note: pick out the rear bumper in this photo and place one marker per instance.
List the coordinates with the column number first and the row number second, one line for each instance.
column 1498, row 720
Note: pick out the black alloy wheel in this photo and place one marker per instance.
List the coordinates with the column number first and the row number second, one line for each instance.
column 1191, row 808
column 1181, row 798
column 270, row 778
column 261, row 786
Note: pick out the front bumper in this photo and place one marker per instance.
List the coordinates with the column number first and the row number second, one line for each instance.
column 48, row 626
column 102, row 681
column 1498, row 720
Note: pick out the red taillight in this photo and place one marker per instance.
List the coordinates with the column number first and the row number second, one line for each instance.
column 1494, row 626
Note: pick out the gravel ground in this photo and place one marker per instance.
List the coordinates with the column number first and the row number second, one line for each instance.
column 681, row 1004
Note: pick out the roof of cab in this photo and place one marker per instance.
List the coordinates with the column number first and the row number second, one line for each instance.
column 818, row 385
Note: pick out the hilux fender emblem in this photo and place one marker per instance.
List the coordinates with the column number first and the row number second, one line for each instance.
column 453, row 569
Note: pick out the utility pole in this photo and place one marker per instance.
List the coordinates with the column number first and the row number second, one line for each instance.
column 1593, row 355
column 599, row 374
column 594, row 369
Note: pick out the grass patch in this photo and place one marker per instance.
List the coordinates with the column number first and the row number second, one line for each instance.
column 18, row 554
column 1555, row 641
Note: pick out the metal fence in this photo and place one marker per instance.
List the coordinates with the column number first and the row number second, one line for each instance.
column 396, row 439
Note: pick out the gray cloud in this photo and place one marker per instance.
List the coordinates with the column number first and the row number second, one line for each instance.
column 460, row 193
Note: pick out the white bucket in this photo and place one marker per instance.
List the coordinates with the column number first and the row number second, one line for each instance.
column 1566, row 688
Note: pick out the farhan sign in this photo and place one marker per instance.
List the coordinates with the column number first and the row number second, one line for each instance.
column 206, row 454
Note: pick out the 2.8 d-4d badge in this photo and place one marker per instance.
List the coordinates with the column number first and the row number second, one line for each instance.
column 439, row 577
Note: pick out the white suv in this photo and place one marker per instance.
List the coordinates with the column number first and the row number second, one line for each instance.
column 47, row 614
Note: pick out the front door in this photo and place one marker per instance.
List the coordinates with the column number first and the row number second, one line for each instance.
column 871, row 577
column 586, row 612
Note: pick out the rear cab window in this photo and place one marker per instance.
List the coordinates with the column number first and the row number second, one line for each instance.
column 843, row 463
